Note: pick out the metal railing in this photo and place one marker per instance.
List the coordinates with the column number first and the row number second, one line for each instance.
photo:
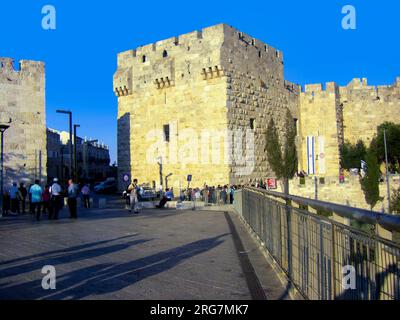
column 318, row 253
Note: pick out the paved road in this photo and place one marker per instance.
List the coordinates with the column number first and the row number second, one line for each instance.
column 110, row 254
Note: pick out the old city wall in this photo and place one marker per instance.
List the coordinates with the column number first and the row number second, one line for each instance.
column 347, row 193
column 22, row 98
column 318, row 116
column 339, row 114
column 177, row 82
column 366, row 107
column 256, row 92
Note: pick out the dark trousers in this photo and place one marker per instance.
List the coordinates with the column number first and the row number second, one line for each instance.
column 162, row 203
column 86, row 201
column 46, row 207
column 15, row 206
column 23, row 205
column 55, row 207
column 72, row 205
column 36, row 206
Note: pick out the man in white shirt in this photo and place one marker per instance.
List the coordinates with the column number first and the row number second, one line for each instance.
column 56, row 200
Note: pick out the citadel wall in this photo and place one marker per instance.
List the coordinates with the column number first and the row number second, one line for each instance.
column 217, row 89
column 366, row 107
column 177, row 82
column 218, row 80
column 22, row 98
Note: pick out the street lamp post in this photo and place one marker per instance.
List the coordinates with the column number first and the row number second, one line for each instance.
column 160, row 164
column 70, row 137
column 166, row 180
column 3, row 128
column 75, row 158
column 62, row 164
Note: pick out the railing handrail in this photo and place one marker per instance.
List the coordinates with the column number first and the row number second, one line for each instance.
column 386, row 221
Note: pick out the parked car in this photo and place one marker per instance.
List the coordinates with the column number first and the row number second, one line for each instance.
column 145, row 194
column 106, row 187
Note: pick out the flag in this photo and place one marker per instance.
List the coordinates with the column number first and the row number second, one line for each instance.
column 311, row 155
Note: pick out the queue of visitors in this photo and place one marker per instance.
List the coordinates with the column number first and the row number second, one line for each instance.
column 48, row 200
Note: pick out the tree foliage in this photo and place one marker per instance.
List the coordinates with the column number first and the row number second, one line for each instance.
column 352, row 154
column 285, row 163
column 393, row 143
column 370, row 183
column 274, row 151
column 290, row 155
column 395, row 202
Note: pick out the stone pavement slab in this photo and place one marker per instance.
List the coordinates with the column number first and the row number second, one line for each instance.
column 111, row 254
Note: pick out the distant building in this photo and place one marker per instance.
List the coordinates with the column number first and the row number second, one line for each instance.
column 93, row 158
column 22, row 101
column 53, row 153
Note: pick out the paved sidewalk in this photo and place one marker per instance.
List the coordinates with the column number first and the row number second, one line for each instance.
column 110, row 254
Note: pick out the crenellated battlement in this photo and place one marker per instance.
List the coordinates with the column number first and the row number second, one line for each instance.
column 7, row 65
column 195, row 43
column 358, row 89
column 313, row 92
column 28, row 70
column 152, row 50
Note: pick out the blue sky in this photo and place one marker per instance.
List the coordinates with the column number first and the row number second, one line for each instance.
column 80, row 55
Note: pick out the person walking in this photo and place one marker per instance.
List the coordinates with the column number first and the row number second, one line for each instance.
column 55, row 191
column 46, row 198
column 73, row 191
column 86, row 196
column 24, row 192
column 15, row 196
column 36, row 199
column 133, row 190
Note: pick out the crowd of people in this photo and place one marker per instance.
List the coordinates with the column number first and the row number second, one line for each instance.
column 47, row 200
column 210, row 195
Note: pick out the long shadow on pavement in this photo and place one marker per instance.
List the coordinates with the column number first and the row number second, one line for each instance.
column 64, row 258
column 107, row 278
column 64, row 250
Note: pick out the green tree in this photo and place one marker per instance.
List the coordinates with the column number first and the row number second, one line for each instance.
column 370, row 183
column 285, row 163
column 273, row 148
column 351, row 155
column 393, row 143
column 395, row 202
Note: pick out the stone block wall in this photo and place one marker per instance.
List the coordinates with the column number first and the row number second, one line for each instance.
column 347, row 193
column 216, row 89
column 256, row 92
column 319, row 111
column 366, row 107
column 22, row 98
column 177, row 82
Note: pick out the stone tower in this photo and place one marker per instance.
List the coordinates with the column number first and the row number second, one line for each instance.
column 199, row 104
column 22, row 99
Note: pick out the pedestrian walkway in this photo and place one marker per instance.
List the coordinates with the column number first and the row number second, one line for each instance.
column 158, row 254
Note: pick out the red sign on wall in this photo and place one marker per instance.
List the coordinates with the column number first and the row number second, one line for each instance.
column 272, row 185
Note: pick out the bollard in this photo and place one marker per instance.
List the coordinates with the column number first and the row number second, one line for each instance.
column 91, row 202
